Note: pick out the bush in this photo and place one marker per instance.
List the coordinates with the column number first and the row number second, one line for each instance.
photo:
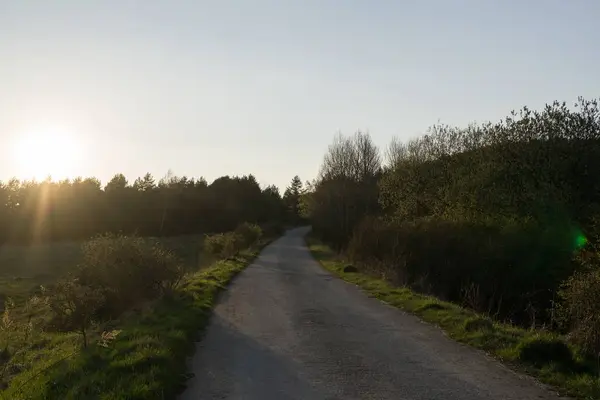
column 223, row 245
column 489, row 266
column 127, row 270
column 578, row 310
column 248, row 234
column 74, row 306
column 350, row 268
column 478, row 324
column 542, row 350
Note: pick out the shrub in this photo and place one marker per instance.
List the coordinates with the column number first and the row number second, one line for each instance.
column 578, row 310
column 350, row 268
column 478, row 324
column 127, row 270
column 509, row 270
column 74, row 306
column 223, row 245
column 248, row 234
column 541, row 350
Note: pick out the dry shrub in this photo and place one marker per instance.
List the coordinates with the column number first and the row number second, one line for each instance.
column 127, row 270
column 578, row 311
column 248, row 234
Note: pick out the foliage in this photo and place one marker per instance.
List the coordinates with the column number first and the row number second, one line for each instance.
column 346, row 189
column 291, row 199
column 248, row 234
column 580, row 296
column 490, row 216
column 74, row 306
column 222, row 245
column 507, row 272
column 127, row 270
column 540, row 350
column 33, row 211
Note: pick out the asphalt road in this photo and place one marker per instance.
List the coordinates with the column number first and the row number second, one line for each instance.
column 287, row 329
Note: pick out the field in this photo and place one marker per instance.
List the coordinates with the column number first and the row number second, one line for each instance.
column 24, row 269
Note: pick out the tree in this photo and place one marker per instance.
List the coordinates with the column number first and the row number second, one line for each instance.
column 291, row 199
column 144, row 184
column 346, row 189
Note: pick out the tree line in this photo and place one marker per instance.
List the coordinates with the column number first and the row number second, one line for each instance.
column 81, row 208
column 500, row 217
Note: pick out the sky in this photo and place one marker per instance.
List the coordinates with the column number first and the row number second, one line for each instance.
column 212, row 88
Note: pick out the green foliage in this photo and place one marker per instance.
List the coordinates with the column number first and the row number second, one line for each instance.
column 248, row 234
column 579, row 299
column 291, row 199
column 127, row 270
column 489, row 216
column 541, row 350
column 504, row 271
column 223, row 245
column 74, row 306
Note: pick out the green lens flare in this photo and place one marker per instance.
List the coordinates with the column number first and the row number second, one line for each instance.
column 580, row 241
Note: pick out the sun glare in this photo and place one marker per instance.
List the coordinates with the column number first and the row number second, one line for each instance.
column 47, row 153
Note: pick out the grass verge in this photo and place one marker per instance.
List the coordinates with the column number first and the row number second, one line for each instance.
column 541, row 354
column 147, row 360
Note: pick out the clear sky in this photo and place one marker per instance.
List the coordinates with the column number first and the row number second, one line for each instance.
column 208, row 88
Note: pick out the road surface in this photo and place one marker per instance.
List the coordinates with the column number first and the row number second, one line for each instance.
column 287, row 329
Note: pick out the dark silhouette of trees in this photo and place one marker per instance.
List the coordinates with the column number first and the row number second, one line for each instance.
column 346, row 189
column 291, row 199
column 81, row 208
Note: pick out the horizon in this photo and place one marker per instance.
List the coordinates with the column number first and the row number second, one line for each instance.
column 208, row 89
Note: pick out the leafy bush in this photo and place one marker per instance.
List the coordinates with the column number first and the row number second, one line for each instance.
column 74, row 306
column 223, row 245
column 248, row 234
column 541, row 350
column 350, row 268
column 127, row 270
column 488, row 266
column 578, row 311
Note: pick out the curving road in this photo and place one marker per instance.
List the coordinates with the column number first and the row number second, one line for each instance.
column 286, row 329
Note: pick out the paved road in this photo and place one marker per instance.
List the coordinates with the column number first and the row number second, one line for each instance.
column 286, row 329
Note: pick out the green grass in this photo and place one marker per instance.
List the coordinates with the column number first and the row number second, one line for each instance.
column 147, row 358
column 540, row 354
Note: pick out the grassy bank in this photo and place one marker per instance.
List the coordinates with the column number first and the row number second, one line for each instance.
column 546, row 356
column 145, row 356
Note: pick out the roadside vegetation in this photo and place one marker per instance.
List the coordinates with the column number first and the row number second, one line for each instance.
column 112, row 311
column 491, row 231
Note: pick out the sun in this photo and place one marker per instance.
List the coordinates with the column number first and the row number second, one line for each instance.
column 46, row 153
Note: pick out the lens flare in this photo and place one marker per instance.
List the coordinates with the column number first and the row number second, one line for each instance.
column 580, row 241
